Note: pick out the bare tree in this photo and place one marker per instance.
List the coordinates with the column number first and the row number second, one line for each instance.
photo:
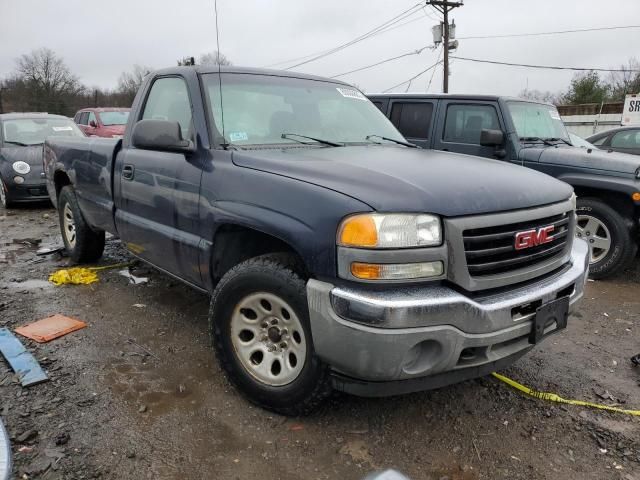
column 214, row 58
column 627, row 81
column 129, row 82
column 540, row 96
column 45, row 80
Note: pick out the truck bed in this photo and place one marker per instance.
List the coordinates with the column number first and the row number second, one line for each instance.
column 88, row 163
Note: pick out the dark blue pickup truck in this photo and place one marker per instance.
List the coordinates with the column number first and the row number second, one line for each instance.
column 336, row 254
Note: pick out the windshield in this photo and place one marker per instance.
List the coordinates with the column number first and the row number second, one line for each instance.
column 114, row 118
column 260, row 109
column 535, row 120
column 33, row 131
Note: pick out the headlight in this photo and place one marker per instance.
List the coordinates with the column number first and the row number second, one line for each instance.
column 21, row 167
column 378, row 230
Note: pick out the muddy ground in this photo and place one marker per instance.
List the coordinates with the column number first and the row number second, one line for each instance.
column 138, row 393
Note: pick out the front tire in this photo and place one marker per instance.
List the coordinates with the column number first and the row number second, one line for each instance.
column 611, row 247
column 4, row 195
column 259, row 324
column 83, row 244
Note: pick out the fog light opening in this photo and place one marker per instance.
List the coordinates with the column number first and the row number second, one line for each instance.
column 18, row 180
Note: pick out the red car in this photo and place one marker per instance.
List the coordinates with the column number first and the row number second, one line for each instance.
column 102, row 122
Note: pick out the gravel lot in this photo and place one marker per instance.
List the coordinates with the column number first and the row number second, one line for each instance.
column 112, row 410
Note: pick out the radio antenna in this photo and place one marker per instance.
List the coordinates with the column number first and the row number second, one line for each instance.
column 224, row 140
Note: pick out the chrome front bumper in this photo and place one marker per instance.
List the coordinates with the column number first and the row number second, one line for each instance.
column 406, row 333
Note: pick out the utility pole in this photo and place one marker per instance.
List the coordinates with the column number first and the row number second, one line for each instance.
column 445, row 7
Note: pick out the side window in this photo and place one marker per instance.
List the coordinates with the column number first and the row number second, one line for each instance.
column 169, row 100
column 626, row 139
column 600, row 141
column 464, row 123
column 84, row 118
column 92, row 118
column 380, row 105
column 412, row 119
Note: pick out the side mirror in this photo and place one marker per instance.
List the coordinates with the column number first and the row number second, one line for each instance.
column 491, row 138
column 161, row 135
column 93, row 124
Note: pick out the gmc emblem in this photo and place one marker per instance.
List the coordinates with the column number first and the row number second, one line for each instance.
column 533, row 238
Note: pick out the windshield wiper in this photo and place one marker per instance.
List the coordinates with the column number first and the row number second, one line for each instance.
column 558, row 139
column 17, row 143
column 318, row 140
column 399, row 142
column 536, row 139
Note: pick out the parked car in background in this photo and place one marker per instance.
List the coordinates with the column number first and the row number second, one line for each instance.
column 623, row 139
column 103, row 122
column 21, row 139
column 532, row 134
column 578, row 141
column 337, row 255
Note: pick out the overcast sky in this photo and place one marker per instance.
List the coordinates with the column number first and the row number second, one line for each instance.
column 100, row 39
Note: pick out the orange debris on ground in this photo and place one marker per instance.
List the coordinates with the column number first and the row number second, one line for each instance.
column 50, row 328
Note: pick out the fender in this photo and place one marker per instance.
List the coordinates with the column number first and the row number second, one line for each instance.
column 624, row 185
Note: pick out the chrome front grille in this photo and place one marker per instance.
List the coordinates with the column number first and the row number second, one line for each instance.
column 492, row 250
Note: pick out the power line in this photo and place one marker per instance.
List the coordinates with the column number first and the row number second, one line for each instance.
column 511, row 35
column 548, row 67
column 414, row 77
column 398, row 18
column 408, row 54
column 434, row 72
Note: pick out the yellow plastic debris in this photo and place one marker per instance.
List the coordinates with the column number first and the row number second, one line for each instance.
column 73, row 276
column 80, row 275
column 552, row 397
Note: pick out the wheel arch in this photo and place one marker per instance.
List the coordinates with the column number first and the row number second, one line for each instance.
column 234, row 243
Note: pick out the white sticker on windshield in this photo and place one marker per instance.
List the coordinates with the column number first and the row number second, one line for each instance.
column 238, row 136
column 554, row 114
column 62, row 129
column 351, row 93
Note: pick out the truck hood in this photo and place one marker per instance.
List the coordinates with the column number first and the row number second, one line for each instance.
column 114, row 129
column 400, row 179
column 592, row 158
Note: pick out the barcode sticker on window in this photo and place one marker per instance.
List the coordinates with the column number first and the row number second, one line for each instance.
column 351, row 93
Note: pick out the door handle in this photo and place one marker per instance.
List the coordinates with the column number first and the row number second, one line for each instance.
column 127, row 172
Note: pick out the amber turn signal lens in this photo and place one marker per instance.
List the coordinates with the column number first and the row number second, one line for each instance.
column 359, row 231
column 366, row 271
column 636, row 197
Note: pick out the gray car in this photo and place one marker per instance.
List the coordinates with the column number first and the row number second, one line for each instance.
column 22, row 136
column 623, row 139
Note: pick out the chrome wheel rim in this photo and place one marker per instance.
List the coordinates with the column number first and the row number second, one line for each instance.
column 597, row 236
column 268, row 339
column 69, row 226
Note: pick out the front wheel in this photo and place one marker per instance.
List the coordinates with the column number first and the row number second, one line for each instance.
column 259, row 323
column 4, row 195
column 611, row 247
column 83, row 244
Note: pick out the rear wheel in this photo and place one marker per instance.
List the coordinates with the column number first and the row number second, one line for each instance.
column 611, row 247
column 83, row 244
column 259, row 323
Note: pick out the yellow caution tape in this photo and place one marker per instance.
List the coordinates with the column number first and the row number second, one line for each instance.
column 552, row 397
column 80, row 275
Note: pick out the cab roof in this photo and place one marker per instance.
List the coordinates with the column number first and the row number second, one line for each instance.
column 204, row 69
